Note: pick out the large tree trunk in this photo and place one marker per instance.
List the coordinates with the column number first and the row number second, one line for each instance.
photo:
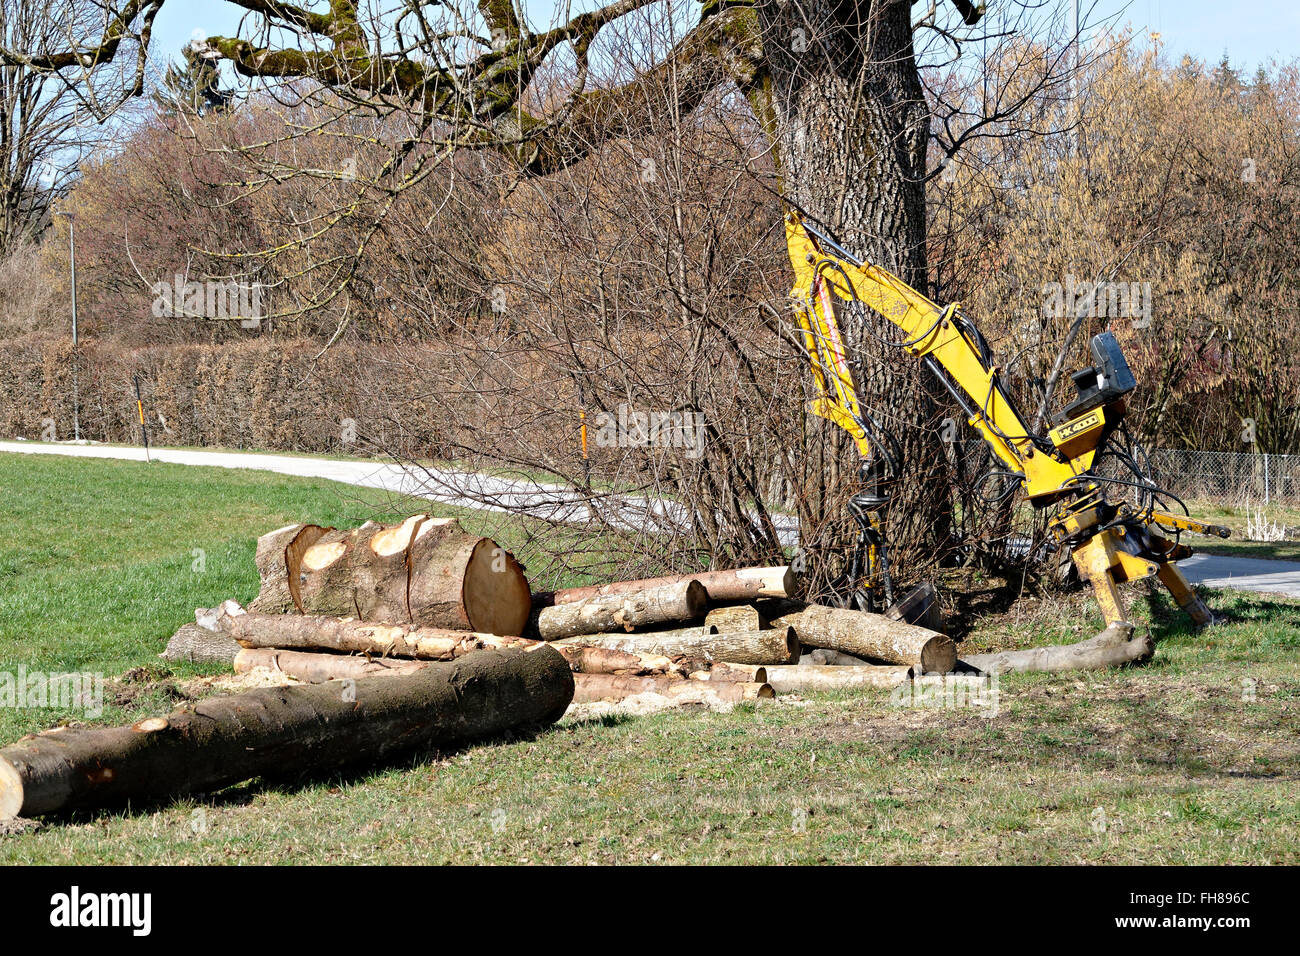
column 283, row 730
column 425, row 570
column 846, row 113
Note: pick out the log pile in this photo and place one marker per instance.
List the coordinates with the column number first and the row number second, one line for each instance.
column 384, row 600
column 417, row 635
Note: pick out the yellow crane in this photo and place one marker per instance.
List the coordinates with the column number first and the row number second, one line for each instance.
column 1110, row 541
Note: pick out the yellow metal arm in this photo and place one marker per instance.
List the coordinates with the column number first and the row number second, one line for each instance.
column 929, row 331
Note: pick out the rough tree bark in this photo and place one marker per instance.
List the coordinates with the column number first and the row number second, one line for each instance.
column 283, row 730
column 846, row 114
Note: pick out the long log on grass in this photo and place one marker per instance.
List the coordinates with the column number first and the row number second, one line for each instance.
column 740, row 584
column 873, row 636
column 284, row 730
column 679, row 601
column 422, row 570
column 593, row 687
column 1113, row 647
column 801, row 678
column 775, row 646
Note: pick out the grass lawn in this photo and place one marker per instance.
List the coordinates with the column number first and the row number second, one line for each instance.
column 1191, row 759
column 1240, row 546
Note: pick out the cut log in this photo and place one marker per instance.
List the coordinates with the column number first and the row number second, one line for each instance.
column 422, row 570
column 276, row 552
column 1111, row 648
column 737, row 617
column 380, row 581
column 314, row 667
column 802, row 678
column 676, row 602
column 465, row 583
column 776, row 646
column 872, row 635
column 200, row 645
column 284, row 730
column 593, row 687
column 741, row 584
column 745, row 673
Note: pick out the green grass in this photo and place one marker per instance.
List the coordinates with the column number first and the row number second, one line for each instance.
column 1239, row 546
column 1192, row 758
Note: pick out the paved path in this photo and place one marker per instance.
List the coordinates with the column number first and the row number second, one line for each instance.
column 1247, row 574
column 445, row 486
column 557, row 503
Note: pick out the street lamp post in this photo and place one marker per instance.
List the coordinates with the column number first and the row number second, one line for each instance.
column 72, row 256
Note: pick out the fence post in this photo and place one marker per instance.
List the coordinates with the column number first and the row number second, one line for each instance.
column 1266, row 478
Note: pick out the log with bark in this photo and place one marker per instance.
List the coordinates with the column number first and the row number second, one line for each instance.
column 745, row 673
column 802, row 678
column 871, row 636
column 679, row 601
column 776, row 646
column 741, row 584
column 345, row 635
column 737, row 617
column 1113, row 647
column 284, row 730
column 316, row 667
column 594, row 687
column 422, row 570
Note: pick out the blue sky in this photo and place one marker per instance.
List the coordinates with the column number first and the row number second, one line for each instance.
column 1251, row 31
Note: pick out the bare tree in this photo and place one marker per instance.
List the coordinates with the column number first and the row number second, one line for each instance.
column 835, row 90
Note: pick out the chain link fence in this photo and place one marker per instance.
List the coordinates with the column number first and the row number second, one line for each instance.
column 1228, row 477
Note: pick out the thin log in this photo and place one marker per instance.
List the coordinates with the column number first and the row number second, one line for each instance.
column 594, row 687
column 740, row 584
column 777, row 646
column 348, row 636
column 801, row 678
column 745, row 673
column 1113, row 647
column 284, row 730
column 314, row 667
column 678, row 601
column 737, row 617
column 872, row 635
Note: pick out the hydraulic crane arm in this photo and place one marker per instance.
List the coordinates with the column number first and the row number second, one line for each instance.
column 940, row 336
column 1109, row 541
